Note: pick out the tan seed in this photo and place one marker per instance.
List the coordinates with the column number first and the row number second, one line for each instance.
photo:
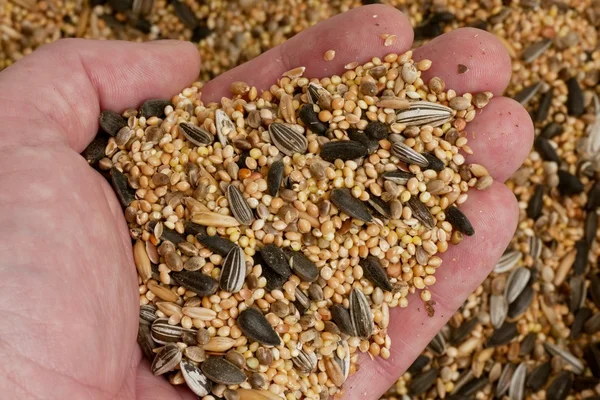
column 202, row 313
column 142, row 261
column 219, row 344
column 162, row 292
column 329, row 55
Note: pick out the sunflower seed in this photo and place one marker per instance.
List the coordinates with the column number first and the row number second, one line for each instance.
column 360, row 137
column 575, row 101
column 508, row 260
column 595, row 289
column 195, row 134
column 581, row 258
column 551, row 130
column 408, row 155
column 302, row 301
column 220, row 370
column 593, row 201
column 360, row 314
column 527, row 344
column 565, row 355
column 305, row 361
column 342, row 319
column 121, row 187
column 592, row 357
column 535, row 247
column 164, row 333
column 342, row 150
column 167, row 234
column 517, row 383
column 503, row 335
column 274, row 280
column 378, row 205
column 581, row 383
column 94, row 152
column 185, row 14
column 423, row 382
column 275, row 177
column 581, row 317
column 343, row 199
column 145, row 341
column 517, row 280
column 434, row 163
column 421, row 113
column 166, row 360
column 256, row 327
column 377, row 130
column 417, row 366
column 275, row 259
column 154, row 108
column 316, row 94
column 459, row 221
column 343, row 360
column 239, row 206
column 311, row 119
column 591, row 227
column 545, row 102
column 592, row 325
column 560, row 387
column 539, row 376
column 498, row 310
column 521, row 303
column 578, row 292
column 233, row 272
column 302, row 266
column 459, row 334
column 527, row 93
column 216, row 244
column 470, row 388
column 196, row 281
column 147, row 314
column 505, row 380
column 288, row 138
column 225, row 127
column 533, row 51
column 398, row 177
column 334, row 371
column 112, row 122
column 546, row 150
column 438, row 344
column 373, row 271
column 195, row 379
column 421, row 212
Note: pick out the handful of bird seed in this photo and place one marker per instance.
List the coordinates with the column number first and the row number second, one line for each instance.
column 274, row 231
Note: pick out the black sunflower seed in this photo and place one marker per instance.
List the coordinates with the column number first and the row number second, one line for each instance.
column 121, row 187
column 521, row 303
column 592, row 357
column 221, row 370
column 398, row 177
column 527, row 344
column 112, row 122
column 274, row 280
column 197, row 282
column 459, row 221
column 536, row 202
column 166, row 360
column 357, row 136
column 154, row 108
column 592, row 325
column 581, row 257
column 256, row 327
column 275, row 259
column 167, row 234
column 545, row 102
column 144, row 339
column 503, row 335
column 373, row 271
column 194, row 229
column 593, row 200
column 595, row 289
column 343, row 150
column 377, row 130
column 418, row 365
column 423, row 382
column 380, row 206
column 311, row 119
column 275, row 177
column 581, row 383
column 560, row 386
column 575, row 102
column 546, row 150
column 302, row 266
column 527, row 93
column 568, row 184
column 94, row 152
column 434, row 163
column 343, row 199
column 551, row 130
column 591, row 227
column 459, row 334
column 438, row 344
column 539, row 376
column 469, row 389
column 577, row 285
column 202, row 31
column 581, row 317
column 185, row 14
column 121, row 5
column 341, row 317
column 421, row 212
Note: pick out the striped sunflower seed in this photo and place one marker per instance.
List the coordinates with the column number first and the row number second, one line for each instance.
column 341, row 317
column 145, row 341
column 536, row 49
column 302, row 266
column 343, row 358
column 166, row 360
column 521, row 303
column 221, row 370
column 317, row 94
column 409, row 155
column 380, row 206
column 373, row 271
column 505, row 380
column 535, row 247
column 423, row 382
column 275, row 259
column 498, row 310
column 275, row 177
column 233, row 272
column 147, row 314
column 288, row 138
column 438, row 344
column 195, row 379
column 342, row 150
column 459, row 221
column 421, row 113
column 225, row 127
column 503, row 335
column 398, row 177
column 527, row 93
column 508, row 261
column 421, row 212
column 517, row 280
column 539, row 376
column 239, row 206
column 566, row 355
column 560, row 387
column 196, row 281
column 302, row 301
column 195, row 134
column 360, row 314
column 305, row 361
column 256, row 327
column 164, row 333
column 343, row 199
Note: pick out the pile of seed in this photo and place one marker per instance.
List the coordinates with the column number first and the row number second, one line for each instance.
column 274, row 231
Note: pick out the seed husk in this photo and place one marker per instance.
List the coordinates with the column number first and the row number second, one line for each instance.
column 256, row 327
column 224, row 125
column 421, row 113
column 503, row 335
column 539, row 376
column 94, row 152
column 459, row 221
column 546, row 150
column 581, row 317
column 111, row 122
column 196, row 281
column 409, row 155
column 516, row 282
column 560, row 387
column 310, row 118
column 421, row 212
column 398, row 177
column 527, row 93
column 590, row 227
column 305, row 361
column 565, row 355
column 195, row 134
column 233, row 272
column 423, row 382
column 533, row 51
column 508, row 261
column 220, row 370
column 575, row 101
column 438, row 344
column 166, row 360
column 373, row 271
column 360, row 314
column 536, row 202
column 498, row 310
column 195, row 379
column 581, row 257
column 275, row 259
column 344, row 360
column 121, row 186
column 275, row 177
column 341, row 317
column 239, row 206
column 154, row 108
column 434, row 163
column 288, row 138
column 342, row 150
column 417, row 366
column 316, row 94
column 216, row 243
column 145, row 341
column 343, row 199
column 544, row 107
column 219, row 344
column 302, row 266
column 521, row 303
column 505, row 380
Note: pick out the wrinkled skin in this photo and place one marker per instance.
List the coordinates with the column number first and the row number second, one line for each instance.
column 69, row 296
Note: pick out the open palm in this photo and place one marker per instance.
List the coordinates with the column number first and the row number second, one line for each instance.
column 68, row 286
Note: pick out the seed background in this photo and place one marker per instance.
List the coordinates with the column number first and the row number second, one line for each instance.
column 554, row 46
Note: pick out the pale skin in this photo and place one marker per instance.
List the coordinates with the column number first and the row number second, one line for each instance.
column 68, row 291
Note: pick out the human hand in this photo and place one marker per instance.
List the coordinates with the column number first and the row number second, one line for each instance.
column 69, row 288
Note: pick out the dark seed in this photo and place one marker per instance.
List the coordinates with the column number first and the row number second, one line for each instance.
column 438, row 344
column 527, row 93
column 421, row 212
column 343, row 199
column 311, row 119
column 121, row 187
column 216, row 243
column 360, row 314
column 527, row 344
column 459, row 221
column 341, row 317
column 593, row 197
column 503, row 335
column 379, row 206
column 302, row 301
column 200, row 32
column 233, row 271
column 121, row 5
column 154, row 108
column 459, row 334
column 195, row 134
column 302, row 266
column 521, row 303
column 560, row 386
column 275, row 259
column 536, row 202
column 222, row 371
column 373, row 271
column 95, row 150
column 575, row 102
column 546, row 150
column 256, row 327
column 418, row 365
column 275, row 177
column 239, row 206
column 185, row 14
column 592, row 358
column 376, row 130
column 533, row 51
column 591, row 227
column 551, row 130
column 470, row 388
column 144, row 339
column 568, row 184
column 434, row 163
column 112, row 122
column 357, row 136
column 581, row 258
column 581, row 316
column 288, row 138
column 592, row 325
column 545, row 102
column 428, row 30
column 581, row 383
column 171, row 235
column 423, row 382
column 505, row 379
column 342, row 150
column 539, row 376
column 274, row 280
column 197, row 282
column 398, row 177
column 576, row 298
column 194, row 229
column 595, row 289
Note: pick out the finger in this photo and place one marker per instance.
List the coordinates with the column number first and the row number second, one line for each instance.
column 353, row 35
column 464, row 267
column 481, row 52
column 151, row 387
column 500, row 136
column 65, row 84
